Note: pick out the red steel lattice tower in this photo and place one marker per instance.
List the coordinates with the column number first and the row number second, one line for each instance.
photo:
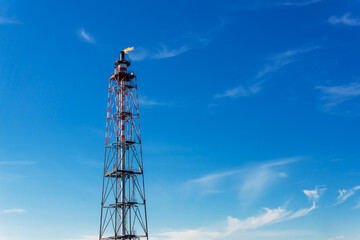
column 123, row 205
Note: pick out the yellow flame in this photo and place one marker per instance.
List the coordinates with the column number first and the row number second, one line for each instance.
column 128, row 49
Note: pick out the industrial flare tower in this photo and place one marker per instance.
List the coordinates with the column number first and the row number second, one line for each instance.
column 123, row 205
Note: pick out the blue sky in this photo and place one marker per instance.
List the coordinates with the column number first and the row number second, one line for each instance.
column 249, row 115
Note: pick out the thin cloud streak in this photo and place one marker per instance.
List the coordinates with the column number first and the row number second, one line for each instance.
column 181, row 44
column 235, row 225
column 257, row 180
column 5, row 19
column 16, row 210
column 314, row 195
column 140, row 54
column 16, row 163
column 346, row 19
column 337, row 238
column 282, row 59
column 165, row 52
column 87, row 37
column 213, row 177
column 249, row 235
column 8, row 20
column 304, row 3
column 275, row 63
column 145, row 101
column 252, row 180
column 86, row 237
column 280, row 162
column 266, row 4
column 241, row 91
column 344, row 194
column 335, row 95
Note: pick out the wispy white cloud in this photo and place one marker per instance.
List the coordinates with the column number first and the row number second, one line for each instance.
column 178, row 45
column 139, row 54
column 337, row 237
column 8, row 20
column 273, row 64
column 344, row 194
column 145, row 101
column 86, row 36
column 10, row 169
column 335, row 95
column 303, row 212
column 16, row 163
column 212, row 105
column 314, row 195
column 166, row 52
column 265, row 4
column 241, row 91
column 280, row 162
column 86, row 237
column 249, row 181
column 301, row 3
column 213, row 177
column 260, row 178
column 15, row 210
column 280, row 60
column 235, row 225
column 5, row 19
column 346, row 19
column 201, row 39
column 248, row 235
column 163, row 51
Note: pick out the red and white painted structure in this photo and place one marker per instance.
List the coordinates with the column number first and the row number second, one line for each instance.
column 123, row 206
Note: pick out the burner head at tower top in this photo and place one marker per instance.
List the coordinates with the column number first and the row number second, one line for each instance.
column 122, row 60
